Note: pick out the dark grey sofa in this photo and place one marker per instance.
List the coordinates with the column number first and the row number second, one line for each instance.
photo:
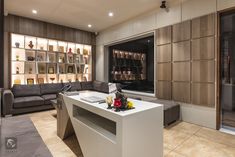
column 31, row 98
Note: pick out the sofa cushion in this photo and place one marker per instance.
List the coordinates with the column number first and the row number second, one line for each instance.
column 26, row 90
column 29, row 101
column 48, row 97
column 75, row 86
column 87, row 85
column 101, row 86
column 51, row 88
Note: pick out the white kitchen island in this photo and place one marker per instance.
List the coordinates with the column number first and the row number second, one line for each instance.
column 104, row 133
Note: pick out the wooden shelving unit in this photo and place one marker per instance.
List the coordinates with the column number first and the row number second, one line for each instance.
column 39, row 60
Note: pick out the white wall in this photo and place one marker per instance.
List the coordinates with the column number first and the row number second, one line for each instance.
column 180, row 10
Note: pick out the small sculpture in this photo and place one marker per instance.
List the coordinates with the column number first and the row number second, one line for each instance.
column 17, row 70
column 31, row 44
column 17, row 57
column 17, row 44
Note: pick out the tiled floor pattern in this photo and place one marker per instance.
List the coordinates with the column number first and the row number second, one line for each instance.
column 180, row 140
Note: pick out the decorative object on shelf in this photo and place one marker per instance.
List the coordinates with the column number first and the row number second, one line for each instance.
column 17, row 81
column 69, row 80
column 85, row 52
column 51, row 70
column 40, row 80
column 61, row 48
column 30, row 70
column 17, row 44
column 109, row 101
column 41, row 48
column 86, row 70
column 41, row 70
column 17, row 70
column 30, row 58
column 85, row 60
column 51, row 48
column 70, row 59
column 81, row 69
column 31, row 44
column 78, row 51
column 61, row 70
column 17, row 57
column 30, row 81
column 40, row 58
column 61, row 81
column 61, row 59
column 70, row 69
column 52, row 79
column 77, row 59
column 70, row 51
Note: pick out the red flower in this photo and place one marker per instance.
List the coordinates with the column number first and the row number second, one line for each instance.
column 117, row 103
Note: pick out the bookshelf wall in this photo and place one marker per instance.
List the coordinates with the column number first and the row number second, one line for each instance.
column 40, row 60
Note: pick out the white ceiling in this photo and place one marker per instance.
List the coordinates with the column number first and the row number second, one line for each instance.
column 80, row 13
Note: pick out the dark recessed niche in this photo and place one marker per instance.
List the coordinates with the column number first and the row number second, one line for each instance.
column 132, row 64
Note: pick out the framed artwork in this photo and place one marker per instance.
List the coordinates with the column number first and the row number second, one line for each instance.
column 51, row 70
column 70, row 69
column 40, row 80
column 30, row 81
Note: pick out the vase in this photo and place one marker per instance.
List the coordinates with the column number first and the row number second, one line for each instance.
column 17, row 44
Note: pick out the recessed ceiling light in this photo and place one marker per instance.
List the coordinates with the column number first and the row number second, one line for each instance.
column 89, row 25
column 34, row 11
column 110, row 14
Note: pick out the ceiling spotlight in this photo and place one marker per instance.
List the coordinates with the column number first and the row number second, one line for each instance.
column 34, row 11
column 89, row 25
column 110, row 14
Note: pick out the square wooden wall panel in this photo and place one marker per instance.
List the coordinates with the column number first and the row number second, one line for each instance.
column 203, row 94
column 203, row 48
column 203, row 71
column 181, row 31
column 163, row 35
column 181, row 51
column 181, row 92
column 181, row 71
column 164, row 71
column 164, row 90
column 164, row 53
column 203, row 26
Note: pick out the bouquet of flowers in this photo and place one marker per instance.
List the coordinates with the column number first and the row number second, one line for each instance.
column 119, row 103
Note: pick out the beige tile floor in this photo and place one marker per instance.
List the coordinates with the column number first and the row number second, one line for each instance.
column 180, row 140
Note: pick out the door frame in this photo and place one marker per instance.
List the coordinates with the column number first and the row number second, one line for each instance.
column 218, row 78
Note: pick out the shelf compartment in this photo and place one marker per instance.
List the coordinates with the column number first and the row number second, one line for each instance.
column 17, row 79
column 17, row 41
column 51, row 57
column 30, row 79
column 30, row 68
column 41, row 78
column 30, row 55
column 17, row 67
column 51, row 68
column 30, row 42
column 42, row 44
column 41, row 56
column 52, row 45
column 18, row 54
column 62, row 78
column 62, row 46
column 42, row 67
column 71, row 77
column 62, row 68
column 70, row 68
